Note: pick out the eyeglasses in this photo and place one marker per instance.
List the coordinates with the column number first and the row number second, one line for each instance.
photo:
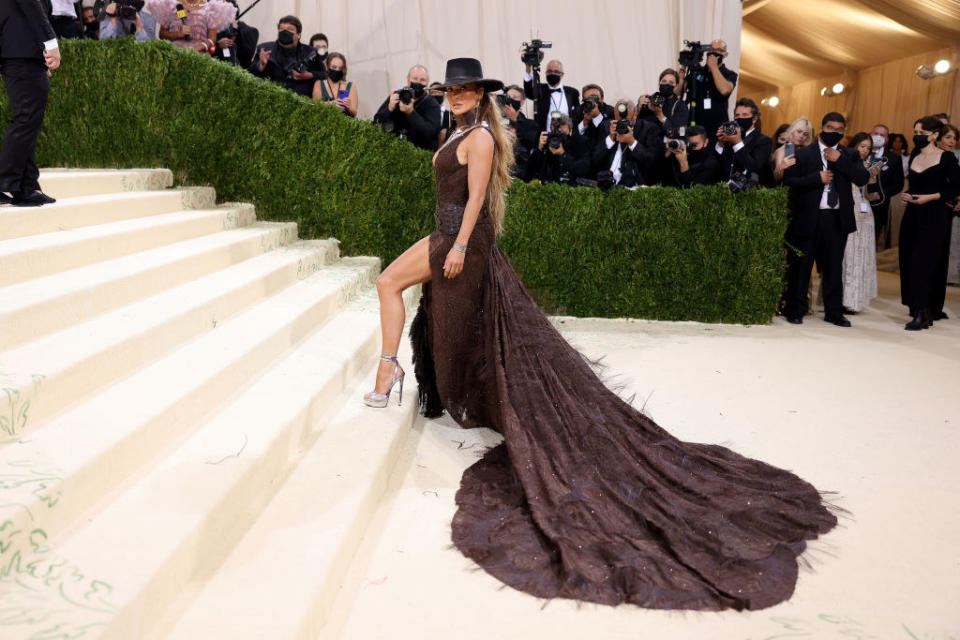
column 457, row 89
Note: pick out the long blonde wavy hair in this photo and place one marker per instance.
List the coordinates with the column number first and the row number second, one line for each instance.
column 502, row 160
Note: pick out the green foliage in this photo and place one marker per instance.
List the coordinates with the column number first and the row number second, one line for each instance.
column 698, row 254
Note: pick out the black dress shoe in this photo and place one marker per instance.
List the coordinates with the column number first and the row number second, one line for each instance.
column 795, row 319
column 939, row 315
column 5, row 199
column 838, row 320
column 849, row 312
column 31, row 200
column 921, row 321
column 46, row 199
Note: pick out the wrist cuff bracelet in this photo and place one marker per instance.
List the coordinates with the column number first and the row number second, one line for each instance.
column 459, row 247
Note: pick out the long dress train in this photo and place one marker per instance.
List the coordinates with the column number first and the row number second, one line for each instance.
column 587, row 498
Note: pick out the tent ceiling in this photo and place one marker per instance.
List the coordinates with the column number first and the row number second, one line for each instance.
column 785, row 42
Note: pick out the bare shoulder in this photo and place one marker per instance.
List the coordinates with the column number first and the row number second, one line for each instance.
column 480, row 141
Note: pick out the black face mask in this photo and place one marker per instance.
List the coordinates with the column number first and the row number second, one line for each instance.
column 830, row 138
column 745, row 124
column 418, row 90
column 696, row 156
column 920, row 140
column 285, row 38
column 666, row 90
column 335, row 75
column 553, row 79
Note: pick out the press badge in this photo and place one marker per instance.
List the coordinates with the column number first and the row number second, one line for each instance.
column 864, row 207
column 707, row 103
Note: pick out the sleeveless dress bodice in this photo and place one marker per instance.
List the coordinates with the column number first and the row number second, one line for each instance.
column 453, row 190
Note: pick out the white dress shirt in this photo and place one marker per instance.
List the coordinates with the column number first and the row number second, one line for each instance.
column 823, row 163
column 739, row 145
column 558, row 101
column 582, row 128
column 617, row 158
column 63, row 8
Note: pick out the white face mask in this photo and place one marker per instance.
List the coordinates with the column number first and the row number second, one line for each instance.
column 878, row 141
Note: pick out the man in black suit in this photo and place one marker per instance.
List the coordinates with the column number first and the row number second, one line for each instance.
column 552, row 95
column 821, row 205
column 28, row 53
column 693, row 162
column 562, row 156
column 630, row 157
column 512, row 102
column 593, row 116
column 747, row 151
column 889, row 181
column 417, row 120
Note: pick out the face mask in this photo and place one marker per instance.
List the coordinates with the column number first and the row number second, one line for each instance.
column 696, row 155
column 831, row 138
column 666, row 90
column 878, row 141
column 418, row 89
column 920, row 140
column 285, row 38
column 553, row 79
column 745, row 123
column 335, row 75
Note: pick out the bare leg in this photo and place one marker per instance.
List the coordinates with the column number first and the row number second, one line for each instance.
column 410, row 268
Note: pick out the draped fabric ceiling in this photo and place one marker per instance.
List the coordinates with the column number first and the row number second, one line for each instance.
column 793, row 48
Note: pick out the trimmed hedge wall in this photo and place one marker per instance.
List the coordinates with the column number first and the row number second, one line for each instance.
column 698, row 254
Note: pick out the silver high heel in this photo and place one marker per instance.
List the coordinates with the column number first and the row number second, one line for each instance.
column 380, row 400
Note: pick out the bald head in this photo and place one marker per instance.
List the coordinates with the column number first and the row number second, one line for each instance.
column 418, row 73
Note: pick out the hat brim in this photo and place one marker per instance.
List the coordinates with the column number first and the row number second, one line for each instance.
column 488, row 84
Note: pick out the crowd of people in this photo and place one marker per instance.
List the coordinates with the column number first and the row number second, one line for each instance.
column 841, row 183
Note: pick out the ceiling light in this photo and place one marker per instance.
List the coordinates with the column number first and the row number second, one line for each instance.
column 774, row 101
column 942, row 66
column 823, row 91
column 925, row 72
column 838, row 88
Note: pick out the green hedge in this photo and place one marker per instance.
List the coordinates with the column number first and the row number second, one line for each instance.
column 699, row 254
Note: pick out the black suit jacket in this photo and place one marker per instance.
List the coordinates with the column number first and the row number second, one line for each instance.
column 638, row 165
column 421, row 127
column 543, row 104
column 546, row 166
column 527, row 132
column 890, row 178
column 753, row 156
column 806, row 189
column 24, row 27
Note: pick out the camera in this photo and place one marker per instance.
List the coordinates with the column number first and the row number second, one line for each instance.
column 878, row 163
column 605, row 180
column 555, row 139
column 741, row 181
column 409, row 94
column 589, row 104
column 311, row 63
column 693, row 53
column 730, row 128
column 533, row 51
column 677, row 139
column 623, row 127
column 506, row 101
column 657, row 99
column 128, row 9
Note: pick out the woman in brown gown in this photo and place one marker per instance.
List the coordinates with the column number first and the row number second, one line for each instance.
column 586, row 498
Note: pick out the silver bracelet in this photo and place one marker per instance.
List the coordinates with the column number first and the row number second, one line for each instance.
column 459, row 247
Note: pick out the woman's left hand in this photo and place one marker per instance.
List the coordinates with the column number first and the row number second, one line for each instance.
column 341, row 103
column 453, row 265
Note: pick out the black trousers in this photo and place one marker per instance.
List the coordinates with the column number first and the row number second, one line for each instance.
column 65, row 26
column 924, row 235
column 825, row 246
column 27, row 87
column 881, row 215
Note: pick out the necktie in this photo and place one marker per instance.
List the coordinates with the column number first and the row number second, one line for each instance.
column 832, row 196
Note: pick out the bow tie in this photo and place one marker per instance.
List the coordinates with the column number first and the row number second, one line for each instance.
column 557, row 90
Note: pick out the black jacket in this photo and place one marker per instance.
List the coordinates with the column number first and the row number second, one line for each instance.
column 24, row 27
column 281, row 61
column 890, row 179
column 638, row 165
column 703, row 169
column 806, row 189
column 527, row 132
column 421, row 127
column 543, row 104
column 753, row 157
column 546, row 166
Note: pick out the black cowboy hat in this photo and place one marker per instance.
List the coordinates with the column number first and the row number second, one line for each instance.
column 468, row 71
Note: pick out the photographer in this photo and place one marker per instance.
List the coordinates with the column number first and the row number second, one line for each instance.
column 743, row 150
column 237, row 42
column 628, row 155
column 288, row 61
column 887, row 185
column 561, row 155
column 198, row 27
column 708, row 87
column 91, row 25
column 552, row 95
column 126, row 18
column 693, row 161
column 511, row 101
column 593, row 115
column 411, row 112
column 63, row 18
column 664, row 107
column 320, row 42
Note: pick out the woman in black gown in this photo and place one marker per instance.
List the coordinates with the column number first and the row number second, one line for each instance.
column 586, row 498
column 934, row 180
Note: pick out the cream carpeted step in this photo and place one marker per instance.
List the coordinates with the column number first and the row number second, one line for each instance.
column 42, row 254
column 83, row 211
column 180, row 520
column 282, row 578
column 54, row 371
column 69, row 183
column 38, row 307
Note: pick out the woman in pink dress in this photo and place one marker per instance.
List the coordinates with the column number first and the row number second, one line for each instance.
column 198, row 26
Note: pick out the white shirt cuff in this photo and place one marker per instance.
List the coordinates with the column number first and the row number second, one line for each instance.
column 610, row 142
column 633, row 146
column 527, row 77
column 582, row 128
column 738, row 146
column 50, row 45
column 719, row 148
